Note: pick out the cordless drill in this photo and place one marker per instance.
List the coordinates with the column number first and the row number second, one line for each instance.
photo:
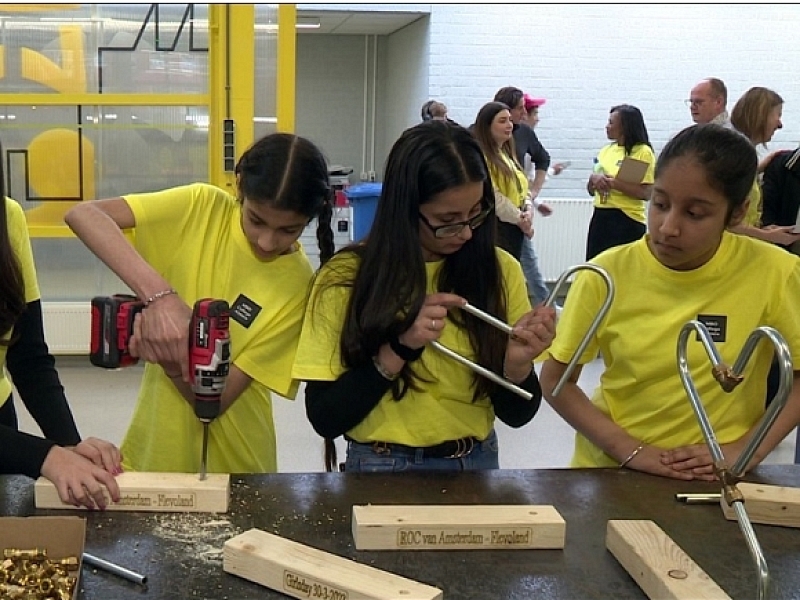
column 209, row 363
column 112, row 328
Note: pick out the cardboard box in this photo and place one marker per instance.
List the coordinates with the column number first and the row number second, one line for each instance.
column 60, row 536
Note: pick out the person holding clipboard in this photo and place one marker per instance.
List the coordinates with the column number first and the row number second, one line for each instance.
column 620, row 182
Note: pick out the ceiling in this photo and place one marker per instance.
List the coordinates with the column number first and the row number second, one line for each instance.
column 356, row 23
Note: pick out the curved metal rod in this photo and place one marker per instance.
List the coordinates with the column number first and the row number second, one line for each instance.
column 728, row 379
column 595, row 324
column 483, row 371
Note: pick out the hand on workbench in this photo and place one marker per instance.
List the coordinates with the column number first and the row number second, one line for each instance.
column 431, row 320
column 161, row 333
column 532, row 334
column 102, row 453
column 648, row 460
column 79, row 481
column 696, row 459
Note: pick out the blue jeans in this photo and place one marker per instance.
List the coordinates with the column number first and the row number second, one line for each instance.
column 537, row 289
column 362, row 458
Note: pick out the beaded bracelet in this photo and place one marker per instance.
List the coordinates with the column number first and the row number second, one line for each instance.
column 632, row 455
column 158, row 295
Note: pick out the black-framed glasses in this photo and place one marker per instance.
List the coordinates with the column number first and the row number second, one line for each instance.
column 453, row 229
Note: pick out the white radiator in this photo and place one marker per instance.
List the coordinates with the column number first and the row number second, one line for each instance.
column 67, row 327
column 560, row 239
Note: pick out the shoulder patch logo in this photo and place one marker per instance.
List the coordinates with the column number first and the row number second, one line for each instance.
column 244, row 311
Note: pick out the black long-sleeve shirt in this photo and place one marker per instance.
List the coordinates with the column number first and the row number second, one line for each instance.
column 526, row 142
column 32, row 370
column 335, row 407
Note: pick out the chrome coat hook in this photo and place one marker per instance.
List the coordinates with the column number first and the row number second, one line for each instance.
column 729, row 378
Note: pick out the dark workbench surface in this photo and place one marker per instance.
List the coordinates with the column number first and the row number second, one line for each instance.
column 180, row 553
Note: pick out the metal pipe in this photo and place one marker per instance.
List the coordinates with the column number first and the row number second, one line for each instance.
column 562, row 280
column 728, row 378
column 117, row 570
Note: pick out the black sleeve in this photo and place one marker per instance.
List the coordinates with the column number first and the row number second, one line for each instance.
column 514, row 410
column 539, row 156
column 32, row 369
column 21, row 453
column 335, row 407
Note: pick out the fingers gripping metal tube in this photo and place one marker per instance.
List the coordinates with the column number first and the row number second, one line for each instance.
column 562, row 280
column 729, row 378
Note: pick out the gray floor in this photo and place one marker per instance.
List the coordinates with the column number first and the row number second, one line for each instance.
column 103, row 401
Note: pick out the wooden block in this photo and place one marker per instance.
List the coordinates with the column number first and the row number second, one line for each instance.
column 454, row 527
column 660, row 567
column 767, row 504
column 300, row 571
column 154, row 492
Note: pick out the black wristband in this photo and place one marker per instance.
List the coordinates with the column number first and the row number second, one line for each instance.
column 404, row 352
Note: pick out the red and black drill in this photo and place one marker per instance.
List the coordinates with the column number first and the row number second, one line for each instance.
column 209, row 349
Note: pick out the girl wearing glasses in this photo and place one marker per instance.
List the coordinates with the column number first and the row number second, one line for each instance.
column 376, row 305
column 493, row 129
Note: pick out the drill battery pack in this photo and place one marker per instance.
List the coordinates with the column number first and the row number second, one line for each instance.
column 112, row 328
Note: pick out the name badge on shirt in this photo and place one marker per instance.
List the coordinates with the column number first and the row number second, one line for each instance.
column 717, row 326
column 244, row 311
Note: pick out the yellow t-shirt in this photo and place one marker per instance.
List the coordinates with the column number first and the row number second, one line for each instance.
column 745, row 285
column 753, row 214
column 443, row 408
column 514, row 189
column 21, row 247
column 193, row 236
column 609, row 160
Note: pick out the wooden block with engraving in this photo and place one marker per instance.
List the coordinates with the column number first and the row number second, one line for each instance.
column 455, row 527
column 300, row 571
column 660, row 567
column 154, row 492
column 767, row 504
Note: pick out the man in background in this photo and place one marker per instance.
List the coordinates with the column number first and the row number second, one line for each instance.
column 707, row 102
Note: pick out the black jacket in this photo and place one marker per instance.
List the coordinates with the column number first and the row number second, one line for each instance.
column 781, row 190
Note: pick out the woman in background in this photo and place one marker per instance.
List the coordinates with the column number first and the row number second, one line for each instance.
column 757, row 115
column 493, row 129
column 618, row 216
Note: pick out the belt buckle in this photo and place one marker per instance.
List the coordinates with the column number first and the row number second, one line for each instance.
column 464, row 447
column 381, row 448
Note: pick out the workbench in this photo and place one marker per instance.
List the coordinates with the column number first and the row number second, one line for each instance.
column 315, row 509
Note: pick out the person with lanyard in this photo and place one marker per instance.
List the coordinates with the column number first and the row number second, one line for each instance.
column 199, row 241
column 618, row 215
column 493, row 130
column 365, row 350
column 689, row 266
column 79, row 469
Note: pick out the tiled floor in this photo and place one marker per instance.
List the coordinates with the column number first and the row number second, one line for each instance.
column 103, row 401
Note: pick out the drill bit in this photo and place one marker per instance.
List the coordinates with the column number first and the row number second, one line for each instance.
column 204, row 455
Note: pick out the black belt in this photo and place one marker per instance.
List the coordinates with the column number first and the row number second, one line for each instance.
column 449, row 449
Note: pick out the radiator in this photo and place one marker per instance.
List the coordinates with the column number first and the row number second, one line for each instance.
column 67, row 327
column 560, row 239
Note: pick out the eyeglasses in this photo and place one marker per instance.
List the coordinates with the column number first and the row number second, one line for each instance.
column 453, row 229
column 691, row 102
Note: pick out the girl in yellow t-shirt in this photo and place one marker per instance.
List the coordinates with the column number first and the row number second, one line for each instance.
column 375, row 307
column 618, row 216
column 79, row 469
column 493, row 129
column 198, row 241
column 687, row 267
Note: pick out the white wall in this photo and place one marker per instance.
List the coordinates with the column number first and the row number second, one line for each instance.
column 586, row 58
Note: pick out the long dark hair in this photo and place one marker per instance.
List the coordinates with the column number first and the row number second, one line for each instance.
column 482, row 130
column 390, row 285
column 290, row 173
column 12, row 284
column 728, row 159
column 634, row 131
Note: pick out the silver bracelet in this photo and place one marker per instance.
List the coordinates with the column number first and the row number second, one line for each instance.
column 382, row 370
column 632, row 455
column 158, row 295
